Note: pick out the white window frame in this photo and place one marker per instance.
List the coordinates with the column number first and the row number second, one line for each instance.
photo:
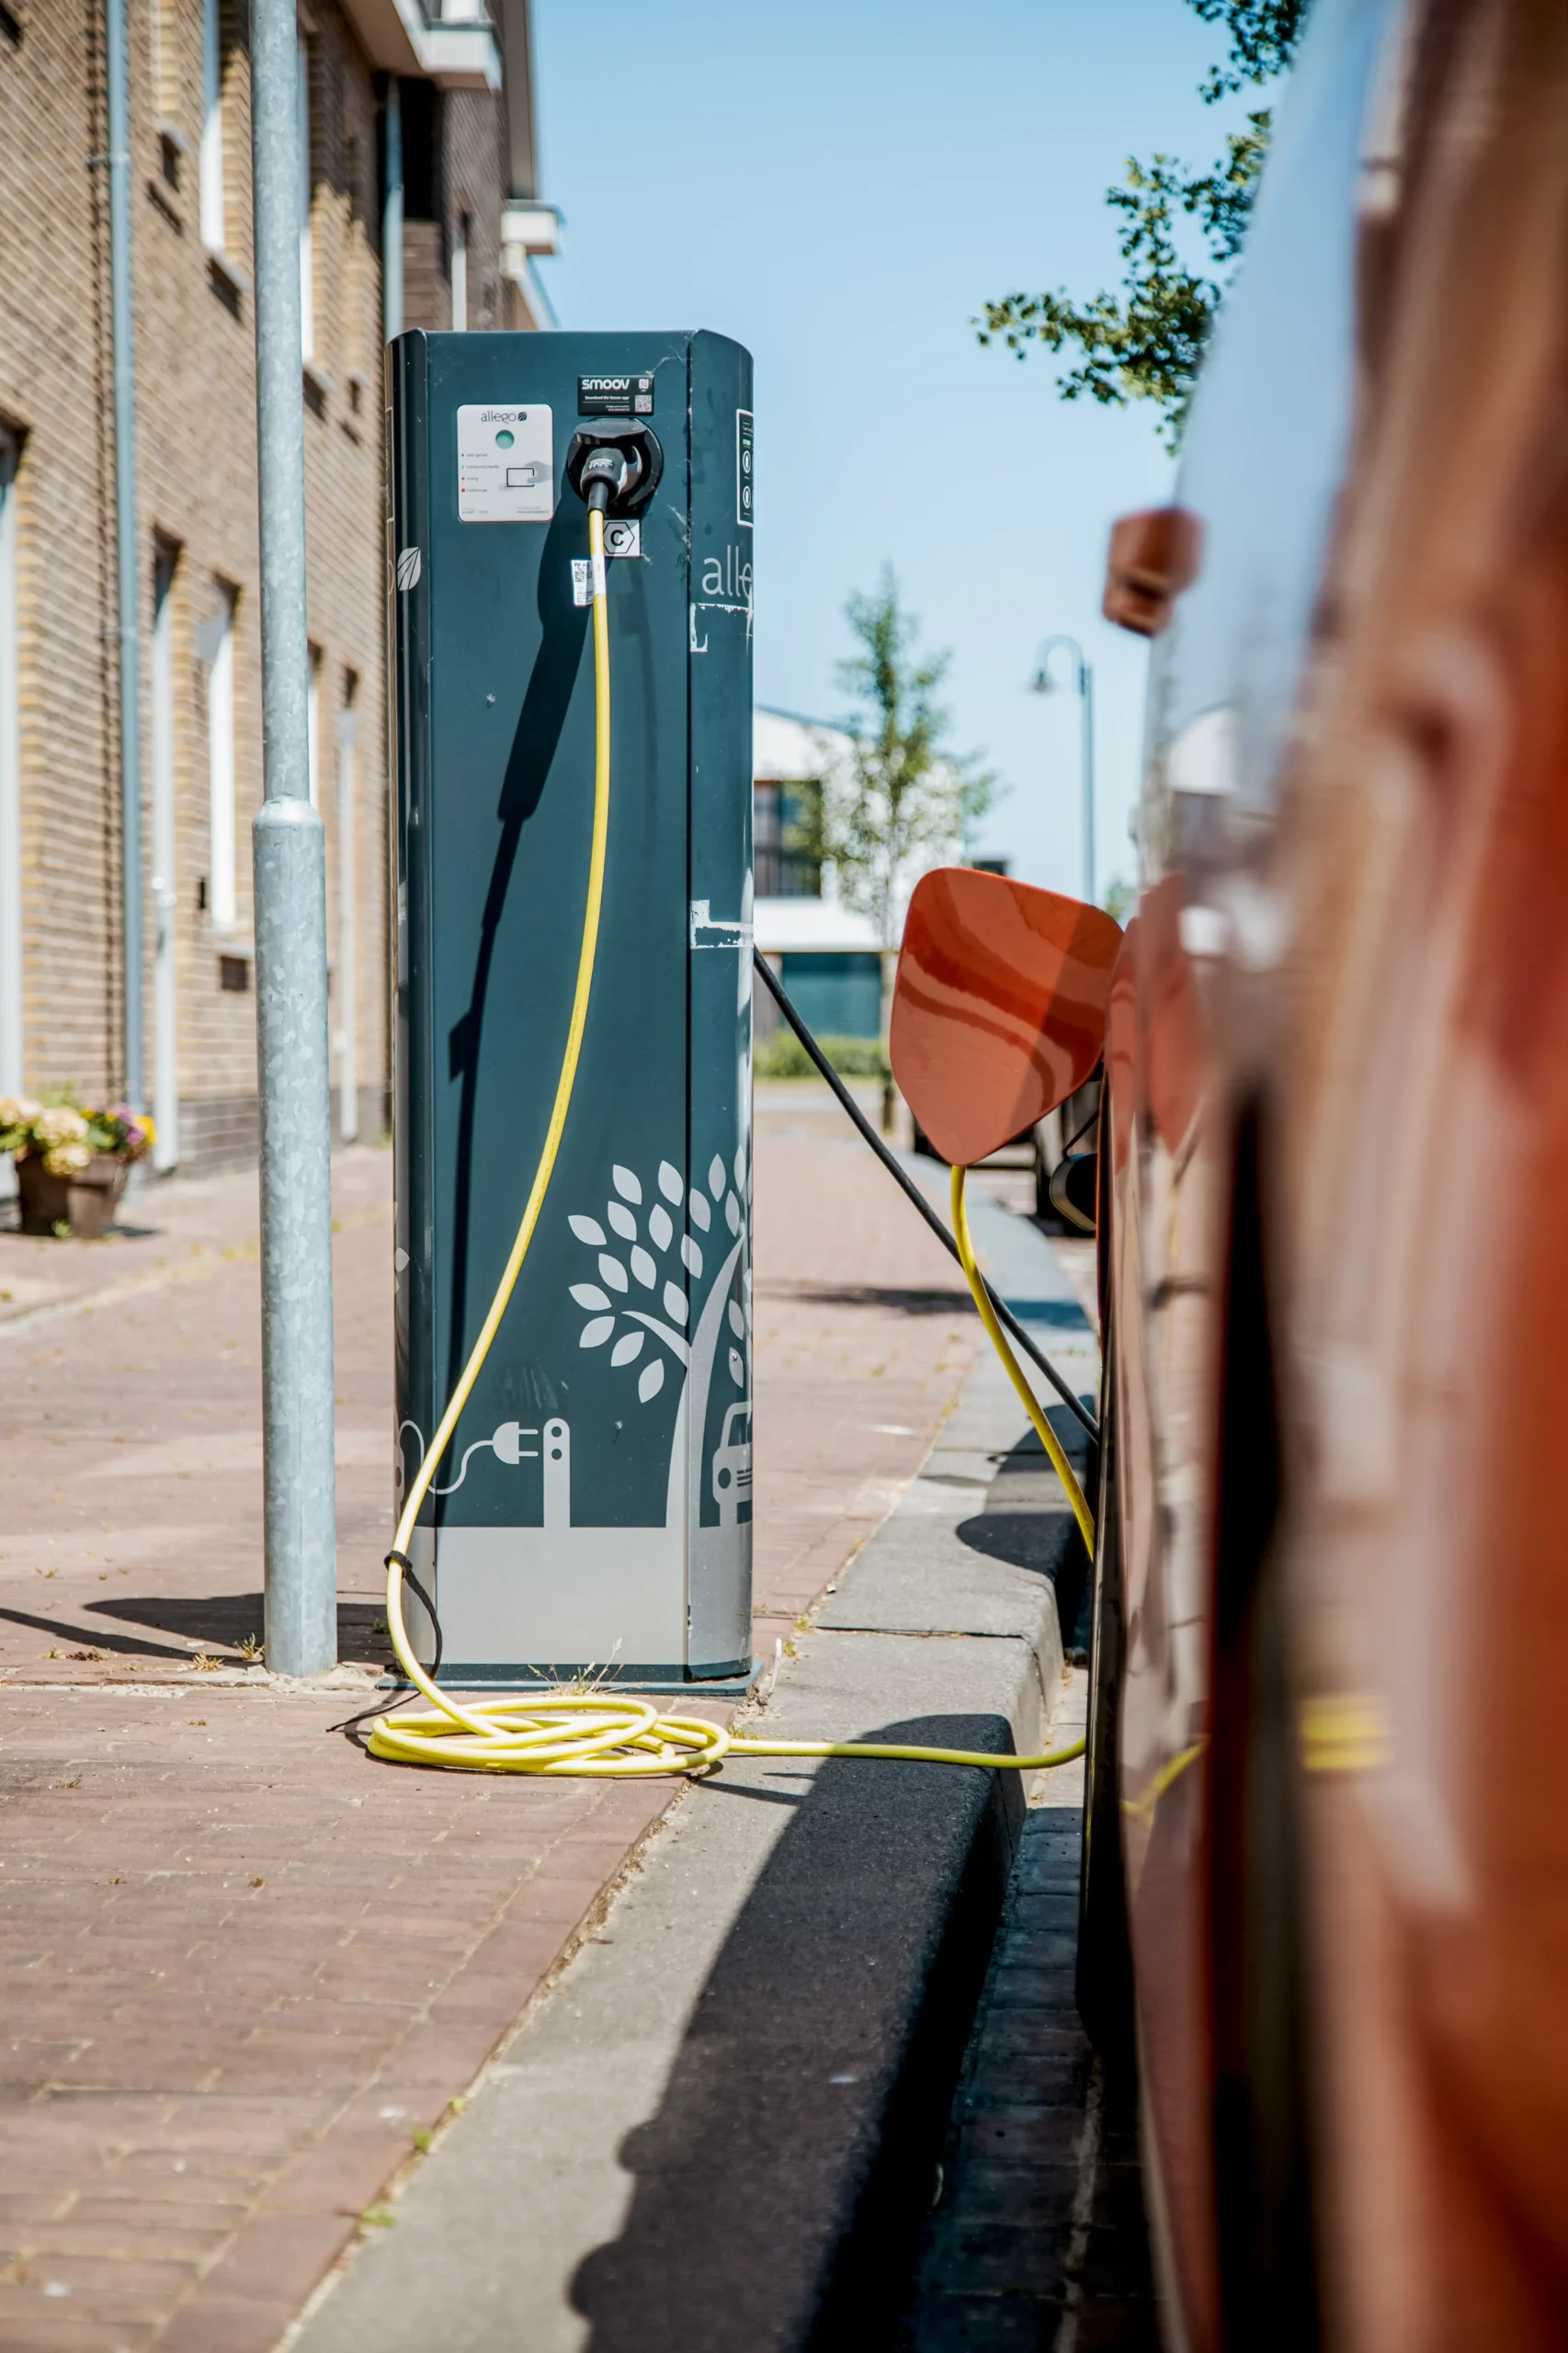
column 223, row 877
column 12, row 1042
column 165, row 893
column 307, row 254
column 347, row 911
column 312, row 722
column 212, row 223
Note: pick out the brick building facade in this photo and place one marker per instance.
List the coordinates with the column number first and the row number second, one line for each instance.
column 458, row 86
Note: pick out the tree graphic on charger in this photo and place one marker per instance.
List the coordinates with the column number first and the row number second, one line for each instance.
column 655, row 1251
column 641, row 1257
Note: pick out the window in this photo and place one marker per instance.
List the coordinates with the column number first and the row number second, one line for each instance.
column 212, row 127
column 11, row 1071
column 217, row 649
column 460, row 274
column 312, row 724
column 307, row 272
column 781, row 814
column 837, row 993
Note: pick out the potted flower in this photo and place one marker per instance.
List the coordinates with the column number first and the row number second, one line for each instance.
column 71, row 1161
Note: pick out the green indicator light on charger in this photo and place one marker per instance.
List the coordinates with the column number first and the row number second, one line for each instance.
column 504, row 440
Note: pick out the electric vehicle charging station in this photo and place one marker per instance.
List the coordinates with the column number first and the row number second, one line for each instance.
column 593, row 1511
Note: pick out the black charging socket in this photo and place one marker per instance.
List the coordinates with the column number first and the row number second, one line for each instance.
column 637, row 443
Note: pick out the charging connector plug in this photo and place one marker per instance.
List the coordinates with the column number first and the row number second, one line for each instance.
column 615, row 468
column 603, row 479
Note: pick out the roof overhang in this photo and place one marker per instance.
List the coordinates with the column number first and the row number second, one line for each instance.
column 522, row 134
column 457, row 53
column 527, row 230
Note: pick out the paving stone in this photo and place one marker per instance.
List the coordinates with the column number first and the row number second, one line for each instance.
column 1005, row 2263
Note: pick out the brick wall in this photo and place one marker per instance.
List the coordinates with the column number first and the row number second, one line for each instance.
column 53, row 388
column 196, row 451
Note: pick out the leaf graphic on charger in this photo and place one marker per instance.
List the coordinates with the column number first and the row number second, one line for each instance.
column 666, row 1264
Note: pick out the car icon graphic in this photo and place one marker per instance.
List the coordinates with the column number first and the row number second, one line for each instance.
column 731, row 1465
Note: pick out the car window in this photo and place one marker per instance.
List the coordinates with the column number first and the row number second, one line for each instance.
column 1269, row 440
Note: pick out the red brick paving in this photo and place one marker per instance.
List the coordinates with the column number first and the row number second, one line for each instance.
column 244, row 1966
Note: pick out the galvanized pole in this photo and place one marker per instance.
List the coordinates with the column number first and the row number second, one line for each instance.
column 129, row 602
column 391, row 216
column 290, row 923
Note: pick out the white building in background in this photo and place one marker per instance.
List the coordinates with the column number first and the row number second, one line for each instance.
column 829, row 956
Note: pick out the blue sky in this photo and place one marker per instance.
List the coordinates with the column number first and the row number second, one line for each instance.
column 839, row 184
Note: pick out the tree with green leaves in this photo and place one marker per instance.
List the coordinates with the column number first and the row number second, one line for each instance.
column 898, row 799
column 1146, row 341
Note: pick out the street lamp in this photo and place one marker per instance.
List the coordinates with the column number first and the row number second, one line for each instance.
column 1082, row 683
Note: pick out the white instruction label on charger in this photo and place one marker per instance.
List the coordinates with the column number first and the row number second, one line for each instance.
column 506, row 464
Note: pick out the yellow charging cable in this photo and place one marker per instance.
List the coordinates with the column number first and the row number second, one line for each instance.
column 605, row 1735
column 1002, row 1347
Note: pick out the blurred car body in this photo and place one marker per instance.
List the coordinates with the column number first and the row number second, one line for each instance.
column 1326, row 1877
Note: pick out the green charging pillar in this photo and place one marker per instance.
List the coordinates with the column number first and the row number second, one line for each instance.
column 593, row 1511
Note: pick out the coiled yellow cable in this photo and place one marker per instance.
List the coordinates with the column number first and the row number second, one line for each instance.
column 606, row 1735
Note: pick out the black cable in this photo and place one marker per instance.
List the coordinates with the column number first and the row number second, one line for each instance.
column 776, row 989
column 434, row 1669
column 396, row 1698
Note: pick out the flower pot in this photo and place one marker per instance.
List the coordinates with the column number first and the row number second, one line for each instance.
column 81, row 1205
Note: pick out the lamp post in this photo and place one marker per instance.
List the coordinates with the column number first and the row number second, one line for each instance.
column 1083, row 683
column 299, row 1476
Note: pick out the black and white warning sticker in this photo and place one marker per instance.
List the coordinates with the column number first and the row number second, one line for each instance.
column 622, row 537
column 744, row 467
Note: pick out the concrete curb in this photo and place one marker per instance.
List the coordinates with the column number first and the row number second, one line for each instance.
column 722, row 2123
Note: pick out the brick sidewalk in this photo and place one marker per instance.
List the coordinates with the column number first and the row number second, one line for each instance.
column 248, row 1970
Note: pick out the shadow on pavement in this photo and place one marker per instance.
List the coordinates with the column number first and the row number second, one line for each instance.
column 903, row 1302
column 227, row 1619
column 817, row 2068
column 1025, row 1521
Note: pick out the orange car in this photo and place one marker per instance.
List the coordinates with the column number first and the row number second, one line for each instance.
column 1325, row 1896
